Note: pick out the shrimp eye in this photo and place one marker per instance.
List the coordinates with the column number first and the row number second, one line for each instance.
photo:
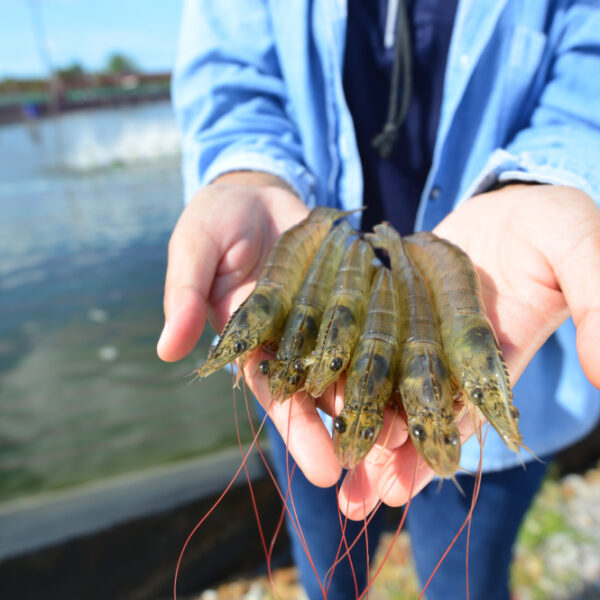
column 294, row 379
column 298, row 366
column 239, row 346
column 514, row 412
column 477, row 395
column 419, row 433
column 336, row 364
column 367, row 433
column 451, row 439
column 263, row 367
column 339, row 424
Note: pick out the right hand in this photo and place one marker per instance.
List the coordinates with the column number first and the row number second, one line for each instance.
column 216, row 253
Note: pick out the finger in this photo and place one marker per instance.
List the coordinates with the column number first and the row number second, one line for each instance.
column 332, row 399
column 577, row 269
column 300, row 427
column 193, row 260
column 569, row 240
column 359, row 493
column 588, row 340
column 394, row 431
column 403, row 476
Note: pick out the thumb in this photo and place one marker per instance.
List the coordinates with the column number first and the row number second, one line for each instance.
column 192, row 262
column 576, row 264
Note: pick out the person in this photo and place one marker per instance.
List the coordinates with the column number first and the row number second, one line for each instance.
column 487, row 130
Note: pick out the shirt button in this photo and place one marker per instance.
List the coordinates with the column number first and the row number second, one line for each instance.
column 435, row 192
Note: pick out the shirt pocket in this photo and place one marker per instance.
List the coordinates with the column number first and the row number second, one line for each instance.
column 526, row 71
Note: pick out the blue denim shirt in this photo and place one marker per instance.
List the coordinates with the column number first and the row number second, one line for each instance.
column 258, row 86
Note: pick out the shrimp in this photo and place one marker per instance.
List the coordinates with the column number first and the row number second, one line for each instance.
column 371, row 375
column 374, row 366
column 261, row 316
column 342, row 319
column 287, row 372
column 467, row 334
column 425, row 382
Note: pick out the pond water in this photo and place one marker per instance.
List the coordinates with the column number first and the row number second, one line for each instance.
column 87, row 204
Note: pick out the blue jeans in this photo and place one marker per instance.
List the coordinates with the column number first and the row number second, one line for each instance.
column 434, row 517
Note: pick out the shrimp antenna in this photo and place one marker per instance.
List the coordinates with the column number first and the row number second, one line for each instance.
column 533, row 454
column 458, row 487
column 467, row 472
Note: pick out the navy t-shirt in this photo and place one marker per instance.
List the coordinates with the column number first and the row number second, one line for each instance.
column 393, row 186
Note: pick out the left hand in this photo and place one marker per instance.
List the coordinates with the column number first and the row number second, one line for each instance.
column 537, row 251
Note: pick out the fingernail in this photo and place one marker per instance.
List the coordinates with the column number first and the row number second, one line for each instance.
column 163, row 337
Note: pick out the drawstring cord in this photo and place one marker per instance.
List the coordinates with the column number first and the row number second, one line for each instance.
column 384, row 141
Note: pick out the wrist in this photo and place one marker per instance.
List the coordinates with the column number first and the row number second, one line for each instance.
column 251, row 179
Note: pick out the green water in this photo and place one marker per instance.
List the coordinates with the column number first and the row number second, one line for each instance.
column 82, row 394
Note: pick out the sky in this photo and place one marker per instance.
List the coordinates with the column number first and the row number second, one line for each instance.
column 86, row 32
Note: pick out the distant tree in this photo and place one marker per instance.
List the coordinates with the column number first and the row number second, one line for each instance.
column 74, row 72
column 120, row 64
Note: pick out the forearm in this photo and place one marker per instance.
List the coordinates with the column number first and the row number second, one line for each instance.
column 230, row 98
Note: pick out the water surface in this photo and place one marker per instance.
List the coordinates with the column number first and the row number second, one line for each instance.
column 87, row 204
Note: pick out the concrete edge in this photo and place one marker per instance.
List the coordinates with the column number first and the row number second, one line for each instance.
column 33, row 523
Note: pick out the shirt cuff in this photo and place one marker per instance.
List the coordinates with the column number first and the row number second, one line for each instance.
column 503, row 166
column 298, row 177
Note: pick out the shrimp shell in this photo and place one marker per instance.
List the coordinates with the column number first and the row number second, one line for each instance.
column 261, row 316
column 287, row 372
column 467, row 333
column 425, row 382
column 342, row 319
column 371, row 375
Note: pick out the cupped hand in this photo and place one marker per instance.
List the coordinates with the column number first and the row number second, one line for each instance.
column 216, row 252
column 537, row 251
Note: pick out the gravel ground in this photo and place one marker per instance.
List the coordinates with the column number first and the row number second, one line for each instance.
column 557, row 555
column 558, row 551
